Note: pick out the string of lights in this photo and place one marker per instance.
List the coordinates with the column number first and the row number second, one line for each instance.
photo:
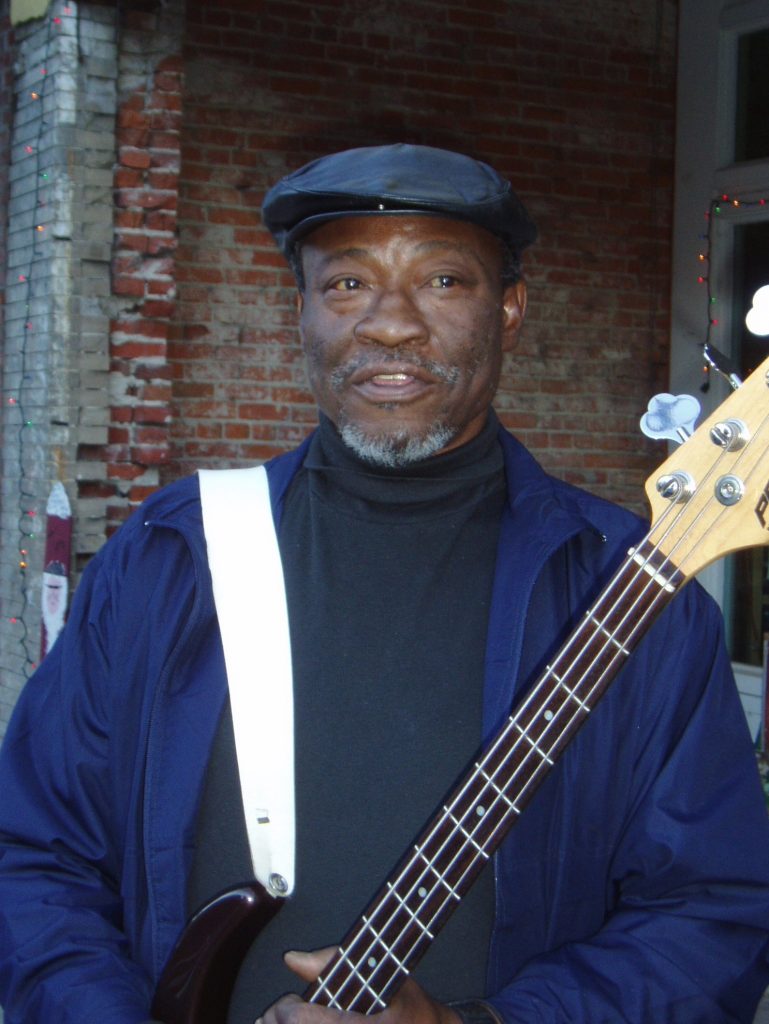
column 719, row 206
column 30, row 325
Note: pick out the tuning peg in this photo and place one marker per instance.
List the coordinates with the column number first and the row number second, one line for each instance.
column 670, row 417
column 723, row 365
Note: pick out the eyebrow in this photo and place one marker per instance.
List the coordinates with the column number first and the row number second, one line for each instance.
column 442, row 244
column 352, row 252
column 435, row 245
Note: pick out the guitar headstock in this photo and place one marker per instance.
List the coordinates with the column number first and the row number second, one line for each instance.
column 711, row 496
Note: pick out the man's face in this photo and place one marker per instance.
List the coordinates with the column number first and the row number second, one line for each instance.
column 404, row 321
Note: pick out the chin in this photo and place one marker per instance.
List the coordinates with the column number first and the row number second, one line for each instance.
column 395, row 448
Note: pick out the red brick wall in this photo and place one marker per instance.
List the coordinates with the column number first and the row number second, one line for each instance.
column 148, row 135
column 573, row 101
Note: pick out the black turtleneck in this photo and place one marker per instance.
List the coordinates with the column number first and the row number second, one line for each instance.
column 388, row 578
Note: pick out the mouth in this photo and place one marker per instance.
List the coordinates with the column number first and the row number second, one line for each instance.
column 377, row 384
column 393, row 374
column 388, row 380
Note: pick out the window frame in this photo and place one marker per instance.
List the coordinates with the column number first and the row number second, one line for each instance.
column 709, row 32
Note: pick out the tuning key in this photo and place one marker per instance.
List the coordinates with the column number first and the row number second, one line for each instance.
column 670, row 417
column 731, row 434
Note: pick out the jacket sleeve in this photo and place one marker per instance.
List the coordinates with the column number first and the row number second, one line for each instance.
column 685, row 936
column 63, row 953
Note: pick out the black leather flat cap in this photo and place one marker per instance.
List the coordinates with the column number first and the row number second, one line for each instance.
column 392, row 180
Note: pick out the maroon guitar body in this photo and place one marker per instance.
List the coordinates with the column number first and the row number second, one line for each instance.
column 198, row 979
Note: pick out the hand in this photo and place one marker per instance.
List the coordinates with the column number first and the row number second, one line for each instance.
column 412, row 1005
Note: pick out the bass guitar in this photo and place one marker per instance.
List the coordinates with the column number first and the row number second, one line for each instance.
column 709, row 498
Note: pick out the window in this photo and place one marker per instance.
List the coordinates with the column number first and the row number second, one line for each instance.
column 751, row 140
column 746, row 594
column 723, row 149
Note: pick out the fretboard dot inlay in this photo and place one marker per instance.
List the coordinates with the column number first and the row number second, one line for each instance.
column 449, row 853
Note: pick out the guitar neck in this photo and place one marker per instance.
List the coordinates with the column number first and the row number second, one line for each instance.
column 416, row 901
column 709, row 498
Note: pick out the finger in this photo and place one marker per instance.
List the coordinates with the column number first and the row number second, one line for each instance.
column 280, row 1012
column 308, row 965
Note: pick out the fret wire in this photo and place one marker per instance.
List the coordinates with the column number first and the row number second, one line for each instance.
column 655, row 577
column 591, row 617
column 430, row 862
column 572, row 692
column 609, row 636
column 379, row 931
column 403, row 932
column 617, row 580
column 446, row 899
column 479, row 769
column 411, row 913
column 597, row 684
column 538, row 769
column 674, row 512
column 582, row 704
column 442, row 885
column 468, row 835
column 499, row 794
column 389, row 956
column 387, row 960
column 449, row 893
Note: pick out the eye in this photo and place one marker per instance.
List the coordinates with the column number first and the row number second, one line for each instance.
column 345, row 284
column 443, row 281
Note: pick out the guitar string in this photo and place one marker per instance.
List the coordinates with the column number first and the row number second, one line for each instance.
column 472, row 832
column 346, row 954
column 724, row 510
column 740, row 455
column 471, row 837
column 657, row 571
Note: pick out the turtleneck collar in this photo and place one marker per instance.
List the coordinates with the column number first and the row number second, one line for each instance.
column 440, row 483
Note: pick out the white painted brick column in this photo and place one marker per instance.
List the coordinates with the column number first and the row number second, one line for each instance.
column 56, row 348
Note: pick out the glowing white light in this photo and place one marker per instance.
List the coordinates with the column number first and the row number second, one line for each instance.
column 757, row 319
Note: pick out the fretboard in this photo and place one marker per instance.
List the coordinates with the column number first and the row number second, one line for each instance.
column 410, row 909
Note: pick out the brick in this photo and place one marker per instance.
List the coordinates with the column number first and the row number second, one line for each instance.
column 145, row 455
column 558, row 98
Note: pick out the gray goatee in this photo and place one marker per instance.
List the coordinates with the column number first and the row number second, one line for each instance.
column 395, row 449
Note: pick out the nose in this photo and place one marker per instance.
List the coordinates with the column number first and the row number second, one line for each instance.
column 392, row 319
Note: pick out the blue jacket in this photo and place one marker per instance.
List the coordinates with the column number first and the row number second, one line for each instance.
column 634, row 888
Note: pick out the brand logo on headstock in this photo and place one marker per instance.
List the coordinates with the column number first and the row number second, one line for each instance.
column 762, row 506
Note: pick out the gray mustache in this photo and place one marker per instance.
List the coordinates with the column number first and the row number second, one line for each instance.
column 445, row 374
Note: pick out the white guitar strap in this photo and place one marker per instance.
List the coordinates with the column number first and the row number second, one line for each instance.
column 250, row 599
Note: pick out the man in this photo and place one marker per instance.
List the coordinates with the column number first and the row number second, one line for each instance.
column 431, row 570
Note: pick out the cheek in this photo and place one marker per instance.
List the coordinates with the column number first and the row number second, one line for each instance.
column 322, row 333
column 314, row 342
column 481, row 352
column 321, row 357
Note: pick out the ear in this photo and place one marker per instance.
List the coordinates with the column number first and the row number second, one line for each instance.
column 513, row 311
column 299, row 302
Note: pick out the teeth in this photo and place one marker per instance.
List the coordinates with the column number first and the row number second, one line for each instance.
column 392, row 376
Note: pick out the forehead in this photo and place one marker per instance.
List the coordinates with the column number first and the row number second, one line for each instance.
column 400, row 236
